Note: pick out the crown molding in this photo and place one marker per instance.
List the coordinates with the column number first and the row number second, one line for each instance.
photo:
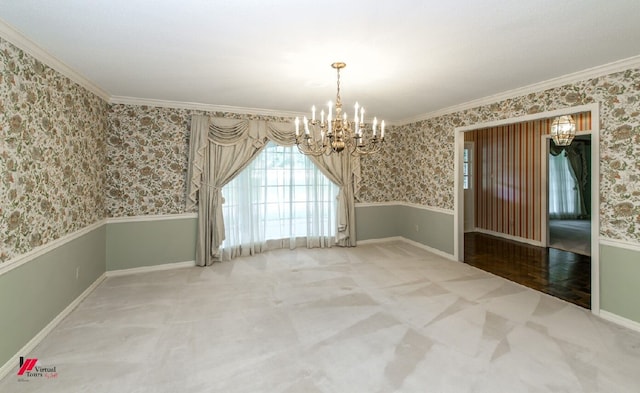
column 200, row 107
column 605, row 69
column 135, row 101
column 15, row 37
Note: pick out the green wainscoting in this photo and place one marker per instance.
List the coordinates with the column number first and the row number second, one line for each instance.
column 620, row 281
column 34, row 293
column 428, row 227
column 135, row 244
column 431, row 228
column 377, row 222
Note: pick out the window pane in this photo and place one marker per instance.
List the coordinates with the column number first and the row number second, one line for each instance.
column 279, row 195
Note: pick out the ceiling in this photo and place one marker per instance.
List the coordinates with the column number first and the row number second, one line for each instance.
column 404, row 58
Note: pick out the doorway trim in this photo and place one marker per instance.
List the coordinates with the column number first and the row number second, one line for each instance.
column 458, row 196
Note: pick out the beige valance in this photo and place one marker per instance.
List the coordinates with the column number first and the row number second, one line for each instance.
column 220, row 148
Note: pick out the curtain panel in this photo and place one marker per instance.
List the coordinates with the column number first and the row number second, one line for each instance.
column 339, row 168
column 220, row 148
column 576, row 154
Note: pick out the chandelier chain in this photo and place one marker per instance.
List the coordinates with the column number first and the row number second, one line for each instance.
column 338, row 101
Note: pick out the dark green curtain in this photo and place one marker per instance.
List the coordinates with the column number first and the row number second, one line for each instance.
column 577, row 153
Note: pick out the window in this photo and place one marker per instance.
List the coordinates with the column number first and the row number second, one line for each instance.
column 466, row 169
column 280, row 195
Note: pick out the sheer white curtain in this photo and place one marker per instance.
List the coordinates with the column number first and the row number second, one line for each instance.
column 221, row 148
column 564, row 195
column 281, row 199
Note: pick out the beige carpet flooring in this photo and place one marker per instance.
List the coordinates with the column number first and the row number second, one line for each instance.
column 386, row 317
column 571, row 235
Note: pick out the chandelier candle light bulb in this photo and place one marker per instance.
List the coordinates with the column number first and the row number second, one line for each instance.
column 338, row 134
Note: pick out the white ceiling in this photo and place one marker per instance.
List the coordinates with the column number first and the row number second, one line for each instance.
column 404, row 58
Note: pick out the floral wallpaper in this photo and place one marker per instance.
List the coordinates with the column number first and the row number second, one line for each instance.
column 418, row 166
column 147, row 154
column 68, row 159
column 52, row 153
column 147, row 149
column 412, row 168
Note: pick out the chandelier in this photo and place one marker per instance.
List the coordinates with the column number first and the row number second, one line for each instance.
column 336, row 134
column 563, row 129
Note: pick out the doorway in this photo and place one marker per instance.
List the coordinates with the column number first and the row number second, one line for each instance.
column 569, row 195
column 459, row 200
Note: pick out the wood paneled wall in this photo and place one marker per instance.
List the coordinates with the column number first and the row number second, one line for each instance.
column 507, row 177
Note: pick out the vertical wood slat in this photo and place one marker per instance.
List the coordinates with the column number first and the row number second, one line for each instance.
column 526, row 186
column 498, row 176
column 518, row 179
column 536, row 180
column 508, row 176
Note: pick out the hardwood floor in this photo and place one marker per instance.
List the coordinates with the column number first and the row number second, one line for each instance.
column 562, row 274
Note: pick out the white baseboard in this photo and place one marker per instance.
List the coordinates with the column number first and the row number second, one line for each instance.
column 146, row 269
column 617, row 319
column 412, row 242
column 28, row 347
column 509, row 237
column 430, row 249
column 380, row 240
